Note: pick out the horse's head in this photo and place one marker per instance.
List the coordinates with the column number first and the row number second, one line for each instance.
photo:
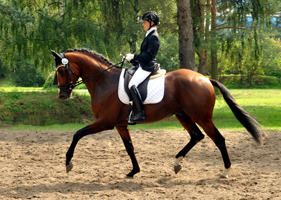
column 65, row 76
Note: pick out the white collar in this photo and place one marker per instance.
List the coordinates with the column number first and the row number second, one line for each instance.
column 150, row 30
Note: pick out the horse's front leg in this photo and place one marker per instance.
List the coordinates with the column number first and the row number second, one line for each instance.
column 126, row 137
column 95, row 127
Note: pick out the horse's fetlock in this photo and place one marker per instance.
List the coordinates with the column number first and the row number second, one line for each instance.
column 200, row 137
column 178, row 160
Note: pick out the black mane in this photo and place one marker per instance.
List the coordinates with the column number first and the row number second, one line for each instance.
column 84, row 50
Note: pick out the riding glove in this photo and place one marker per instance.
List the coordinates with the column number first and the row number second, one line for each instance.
column 129, row 57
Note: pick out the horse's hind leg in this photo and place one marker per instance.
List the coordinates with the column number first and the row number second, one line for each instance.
column 126, row 137
column 195, row 134
column 219, row 140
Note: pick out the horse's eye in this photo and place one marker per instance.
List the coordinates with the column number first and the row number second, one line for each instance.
column 62, row 72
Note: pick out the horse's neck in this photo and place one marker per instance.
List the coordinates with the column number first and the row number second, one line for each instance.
column 94, row 70
column 99, row 79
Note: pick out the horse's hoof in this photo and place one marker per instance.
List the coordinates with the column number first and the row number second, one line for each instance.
column 177, row 168
column 132, row 173
column 69, row 167
column 224, row 176
column 129, row 176
column 225, row 173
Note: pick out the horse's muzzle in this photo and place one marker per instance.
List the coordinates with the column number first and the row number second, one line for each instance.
column 63, row 94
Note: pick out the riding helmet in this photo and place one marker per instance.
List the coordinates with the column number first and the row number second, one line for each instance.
column 151, row 16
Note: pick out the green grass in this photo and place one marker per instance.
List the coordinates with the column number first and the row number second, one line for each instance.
column 73, row 126
column 263, row 104
column 20, row 89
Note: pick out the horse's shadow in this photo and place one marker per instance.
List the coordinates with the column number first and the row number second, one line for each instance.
column 123, row 185
column 168, row 182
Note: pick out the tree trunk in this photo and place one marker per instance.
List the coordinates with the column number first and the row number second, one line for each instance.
column 186, row 47
column 62, row 36
column 214, row 59
column 202, row 51
column 134, row 37
column 207, row 29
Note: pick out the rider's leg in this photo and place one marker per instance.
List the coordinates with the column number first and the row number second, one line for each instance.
column 139, row 76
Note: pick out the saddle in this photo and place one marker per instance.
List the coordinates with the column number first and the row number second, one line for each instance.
column 129, row 72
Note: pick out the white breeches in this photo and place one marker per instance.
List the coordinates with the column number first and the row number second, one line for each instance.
column 139, row 76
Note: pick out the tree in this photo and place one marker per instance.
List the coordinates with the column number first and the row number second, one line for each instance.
column 13, row 28
column 122, row 24
column 201, row 25
column 233, row 24
column 271, row 59
column 37, row 26
column 110, row 27
column 186, row 48
column 214, row 58
column 244, row 62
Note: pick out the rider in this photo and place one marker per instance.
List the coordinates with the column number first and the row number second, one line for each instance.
column 146, row 61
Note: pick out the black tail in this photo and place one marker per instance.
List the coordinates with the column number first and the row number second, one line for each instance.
column 244, row 117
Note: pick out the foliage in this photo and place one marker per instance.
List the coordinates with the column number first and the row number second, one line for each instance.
column 271, row 58
column 168, row 56
column 4, row 72
column 237, row 21
column 34, row 27
column 30, row 28
column 43, row 108
column 13, row 30
column 240, row 59
column 54, row 25
column 238, row 82
column 25, row 75
column 48, row 84
column 21, row 73
column 242, row 21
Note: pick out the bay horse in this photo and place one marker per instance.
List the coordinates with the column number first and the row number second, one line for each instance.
column 189, row 96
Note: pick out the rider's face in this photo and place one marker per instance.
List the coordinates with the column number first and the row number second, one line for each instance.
column 146, row 25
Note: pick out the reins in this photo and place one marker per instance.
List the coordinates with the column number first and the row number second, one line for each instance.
column 116, row 66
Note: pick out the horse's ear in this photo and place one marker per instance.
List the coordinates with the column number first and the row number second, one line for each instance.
column 57, row 58
column 55, row 54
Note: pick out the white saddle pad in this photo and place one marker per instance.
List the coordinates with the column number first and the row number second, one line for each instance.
column 155, row 90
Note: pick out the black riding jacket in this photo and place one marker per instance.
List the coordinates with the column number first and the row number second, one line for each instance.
column 149, row 50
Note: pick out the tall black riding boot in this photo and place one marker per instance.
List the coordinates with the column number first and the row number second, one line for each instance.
column 140, row 116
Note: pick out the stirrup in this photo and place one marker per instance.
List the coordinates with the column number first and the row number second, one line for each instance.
column 139, row 117
column 131, row 113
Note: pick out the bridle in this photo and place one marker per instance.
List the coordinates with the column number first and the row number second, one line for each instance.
column 70, row 86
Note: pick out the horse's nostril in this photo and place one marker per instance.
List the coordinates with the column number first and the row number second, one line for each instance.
column 62, row 96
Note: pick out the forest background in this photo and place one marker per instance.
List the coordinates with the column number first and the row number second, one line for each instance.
column 235, row 41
